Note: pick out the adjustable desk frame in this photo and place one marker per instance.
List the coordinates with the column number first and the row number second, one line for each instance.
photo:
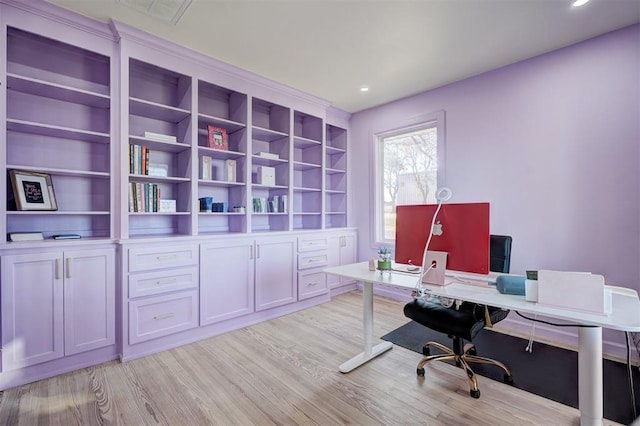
column 625, row 316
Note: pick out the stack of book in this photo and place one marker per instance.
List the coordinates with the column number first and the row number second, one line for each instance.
column 144, row 197
column 160, row 137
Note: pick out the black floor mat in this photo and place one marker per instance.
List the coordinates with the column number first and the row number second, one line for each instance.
column 549, row 371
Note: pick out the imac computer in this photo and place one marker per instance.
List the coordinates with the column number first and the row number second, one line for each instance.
column 461, row 230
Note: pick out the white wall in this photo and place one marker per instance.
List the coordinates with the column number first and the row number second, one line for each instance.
column 551, row 142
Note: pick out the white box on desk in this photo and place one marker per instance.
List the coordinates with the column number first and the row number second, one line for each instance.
column 266, row 175
column 577, row 291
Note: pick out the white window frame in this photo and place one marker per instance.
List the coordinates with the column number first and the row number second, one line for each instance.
column 434, row 119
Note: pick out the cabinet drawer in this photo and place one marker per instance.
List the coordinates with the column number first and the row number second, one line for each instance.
column 162, row 315
column 311, row 243
column 313, row 260
column 158, row 282
column 144, row 259
column 311, row 284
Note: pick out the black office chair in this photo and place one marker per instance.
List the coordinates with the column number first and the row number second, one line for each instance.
column 463, row 323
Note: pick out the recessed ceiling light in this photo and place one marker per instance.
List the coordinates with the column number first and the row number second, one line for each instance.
column 364, row 89
column 579, row 3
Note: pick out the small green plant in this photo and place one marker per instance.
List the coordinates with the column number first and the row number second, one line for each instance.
column 384, row 259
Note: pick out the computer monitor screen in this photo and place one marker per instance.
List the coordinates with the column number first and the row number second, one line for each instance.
column 462, row 230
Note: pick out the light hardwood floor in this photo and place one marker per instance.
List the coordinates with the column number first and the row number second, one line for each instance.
column 282, row 372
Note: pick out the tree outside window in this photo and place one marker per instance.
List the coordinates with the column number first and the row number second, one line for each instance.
column 409, row 172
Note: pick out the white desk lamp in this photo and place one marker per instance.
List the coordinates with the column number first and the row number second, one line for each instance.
column 437, row 260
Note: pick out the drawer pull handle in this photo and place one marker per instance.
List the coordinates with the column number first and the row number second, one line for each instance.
column 164, row 316
column 166, row 257
column 312, row 284
column 163, row 282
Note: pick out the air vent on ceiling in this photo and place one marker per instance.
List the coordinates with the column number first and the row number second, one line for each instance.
column 166, row 10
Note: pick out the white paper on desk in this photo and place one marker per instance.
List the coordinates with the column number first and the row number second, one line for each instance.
column 580, row 291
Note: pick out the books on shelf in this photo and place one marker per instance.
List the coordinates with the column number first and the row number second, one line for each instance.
column 206, row 167
column 160, row 137
column 67, row 237
column 276, row 204
column 25, row 236
column 217, row 138
column 143, row 197
column 138, row 159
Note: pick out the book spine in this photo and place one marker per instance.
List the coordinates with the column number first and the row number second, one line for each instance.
column 146, row 160
column 131, row 159
column 136, row 156
column 139, row 197
column 132, row 207
column 143, row 156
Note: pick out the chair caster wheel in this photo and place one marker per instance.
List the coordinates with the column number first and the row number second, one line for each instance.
column 475, row 393
column 426, row 351
column 508, row 379
column 420, row 372
column 473, row 351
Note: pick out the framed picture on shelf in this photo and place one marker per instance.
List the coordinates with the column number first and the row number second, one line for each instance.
column 218, row 138
column 32, row 191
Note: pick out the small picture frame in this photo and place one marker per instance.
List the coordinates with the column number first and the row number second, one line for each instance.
column 217, row 138
column 32, row 191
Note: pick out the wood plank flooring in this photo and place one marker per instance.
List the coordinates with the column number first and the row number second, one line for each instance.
column 280, row 372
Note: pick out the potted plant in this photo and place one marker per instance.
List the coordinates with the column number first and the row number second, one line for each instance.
column 384, row 259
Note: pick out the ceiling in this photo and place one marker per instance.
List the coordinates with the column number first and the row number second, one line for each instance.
column 331, row 48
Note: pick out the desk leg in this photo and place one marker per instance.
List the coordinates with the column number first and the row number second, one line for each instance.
column 590, row 395
column 370, row 350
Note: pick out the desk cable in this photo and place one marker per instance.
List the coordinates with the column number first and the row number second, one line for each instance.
column 529, row 349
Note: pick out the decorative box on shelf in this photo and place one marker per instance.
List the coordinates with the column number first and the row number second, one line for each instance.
column 206, row 168
column 269, row 155
column 167, row 206
column 159, row 170
column 266, row 175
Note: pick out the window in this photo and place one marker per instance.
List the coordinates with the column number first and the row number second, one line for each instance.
column 409, row 170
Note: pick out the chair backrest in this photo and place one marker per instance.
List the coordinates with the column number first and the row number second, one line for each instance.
column 499, row 253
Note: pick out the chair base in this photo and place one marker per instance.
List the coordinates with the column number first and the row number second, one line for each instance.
column 462, row 361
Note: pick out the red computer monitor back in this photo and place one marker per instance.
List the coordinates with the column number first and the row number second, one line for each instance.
column 465, row 235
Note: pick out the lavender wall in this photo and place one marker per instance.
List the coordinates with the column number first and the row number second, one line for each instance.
column 550, row 142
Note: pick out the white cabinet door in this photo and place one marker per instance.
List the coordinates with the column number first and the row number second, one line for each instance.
column 56, row 304
column 342, row 251
column 276, row 282
column 32, row 309
column 226, row 280
column 348, row 251
column 89, row 300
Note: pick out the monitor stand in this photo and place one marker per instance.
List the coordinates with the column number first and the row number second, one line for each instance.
column 435, row 276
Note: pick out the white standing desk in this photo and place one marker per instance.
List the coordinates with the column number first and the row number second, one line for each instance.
column 625, row 316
